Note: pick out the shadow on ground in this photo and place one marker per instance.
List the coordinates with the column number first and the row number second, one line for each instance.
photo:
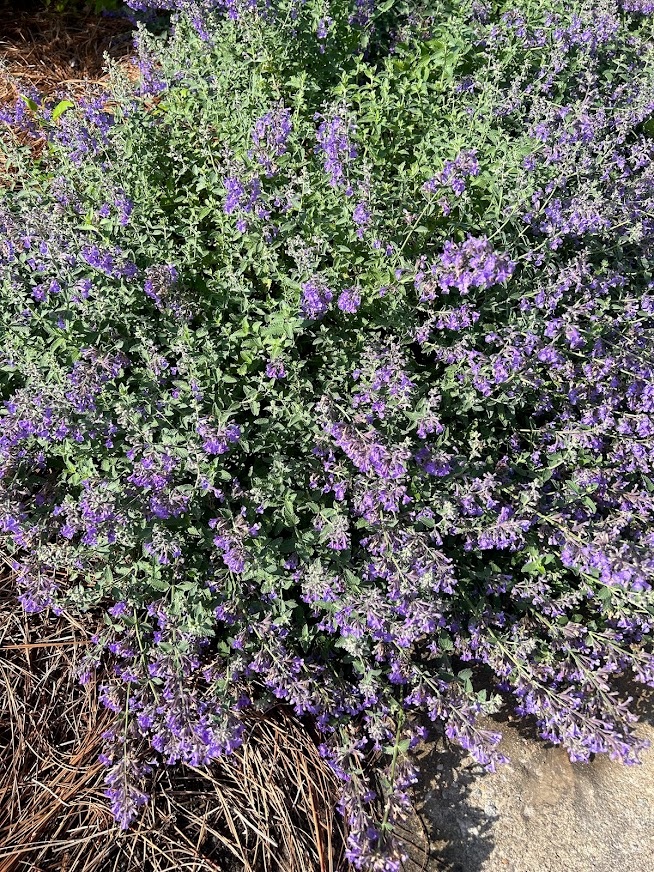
column 460, row 833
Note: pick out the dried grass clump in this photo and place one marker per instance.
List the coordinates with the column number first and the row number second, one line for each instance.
column 270, row 806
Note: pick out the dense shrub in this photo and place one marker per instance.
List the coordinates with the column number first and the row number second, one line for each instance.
column 327, row 369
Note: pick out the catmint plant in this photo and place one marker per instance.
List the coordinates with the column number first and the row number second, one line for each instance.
column 342, row 397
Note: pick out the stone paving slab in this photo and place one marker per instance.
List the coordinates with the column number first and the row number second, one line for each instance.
column 539, row 813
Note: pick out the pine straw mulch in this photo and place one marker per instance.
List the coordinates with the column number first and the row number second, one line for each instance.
column 269, row 806
column 53, row 53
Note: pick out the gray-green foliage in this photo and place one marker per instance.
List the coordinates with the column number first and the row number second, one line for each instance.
column 330, row 371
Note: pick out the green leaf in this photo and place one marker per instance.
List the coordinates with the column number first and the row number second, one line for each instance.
column 60, row 108
column 288, row 512
column 445, row 643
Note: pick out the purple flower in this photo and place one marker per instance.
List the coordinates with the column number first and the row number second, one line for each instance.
column 349, row 300
column 217, row 438
column 470, row 264
column 454, row 173
column 39, row 294
column 316, row 298
column 361, row 217
column 269, row 135
column 119, row 610
column 241, row 196
column 112, row 263
column 337, row 150
column 275, row 369
column 160, row 283
column 124, row 779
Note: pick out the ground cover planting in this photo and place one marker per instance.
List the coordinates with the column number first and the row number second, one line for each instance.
column 327, row 378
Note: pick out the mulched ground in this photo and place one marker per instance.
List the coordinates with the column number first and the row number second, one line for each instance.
column 51, row 54
column 269, row 806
